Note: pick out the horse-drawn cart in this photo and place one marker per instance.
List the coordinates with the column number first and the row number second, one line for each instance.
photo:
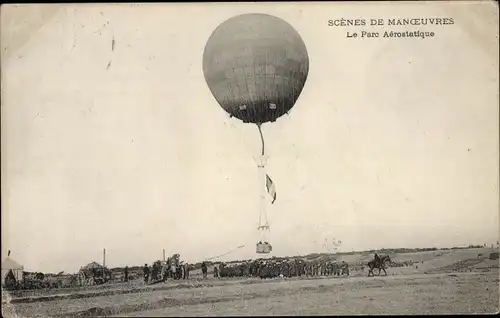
column 94, row 274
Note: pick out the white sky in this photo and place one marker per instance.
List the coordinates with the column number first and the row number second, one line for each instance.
column 393, row 143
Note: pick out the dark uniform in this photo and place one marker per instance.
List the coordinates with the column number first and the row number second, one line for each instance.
column 204, row 269
column 146, row 273
column 345, row 268
column 126, row 274
column 186, row 270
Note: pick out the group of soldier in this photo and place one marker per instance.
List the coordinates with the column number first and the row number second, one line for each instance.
column 262, row 268
column 161, row 271
column 173, row 268
column 281, row 268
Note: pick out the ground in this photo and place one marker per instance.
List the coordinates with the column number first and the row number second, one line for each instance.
column 454, row 281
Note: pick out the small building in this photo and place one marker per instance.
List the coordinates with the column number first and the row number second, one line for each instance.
column 10, row 265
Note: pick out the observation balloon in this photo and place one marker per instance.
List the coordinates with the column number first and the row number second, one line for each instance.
column 256, row 66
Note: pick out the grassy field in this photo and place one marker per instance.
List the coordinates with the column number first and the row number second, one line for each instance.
column 446, row 281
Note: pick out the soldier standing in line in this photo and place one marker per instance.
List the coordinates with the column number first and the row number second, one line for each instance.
column 182, row 268
column 146, row 273
column 216, row 272
column 174, row 269
column 186, row 270
column 204, row 269
column 164, row 272
column 251, row 268
column 345, row 268
column 126, row 274
column 221, row 270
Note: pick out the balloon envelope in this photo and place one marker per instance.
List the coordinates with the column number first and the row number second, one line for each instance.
column 256, row 66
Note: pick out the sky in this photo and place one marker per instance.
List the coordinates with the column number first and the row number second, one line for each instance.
column 392, row 143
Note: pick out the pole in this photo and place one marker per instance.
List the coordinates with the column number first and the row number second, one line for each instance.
column 263, row 222
column 164, row 255
column 104, row 258
column 261, row 165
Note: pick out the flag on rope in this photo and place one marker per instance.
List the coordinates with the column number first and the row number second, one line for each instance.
column 271, row 189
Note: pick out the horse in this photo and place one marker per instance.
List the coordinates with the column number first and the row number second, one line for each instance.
column 380, row 265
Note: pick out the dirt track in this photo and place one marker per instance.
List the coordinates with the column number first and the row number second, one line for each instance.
column 473, row 292
column 416, row 294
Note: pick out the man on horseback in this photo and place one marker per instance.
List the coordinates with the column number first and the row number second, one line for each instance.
column 378, row 263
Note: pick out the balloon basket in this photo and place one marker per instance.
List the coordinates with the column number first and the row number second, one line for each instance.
column 263, row 248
